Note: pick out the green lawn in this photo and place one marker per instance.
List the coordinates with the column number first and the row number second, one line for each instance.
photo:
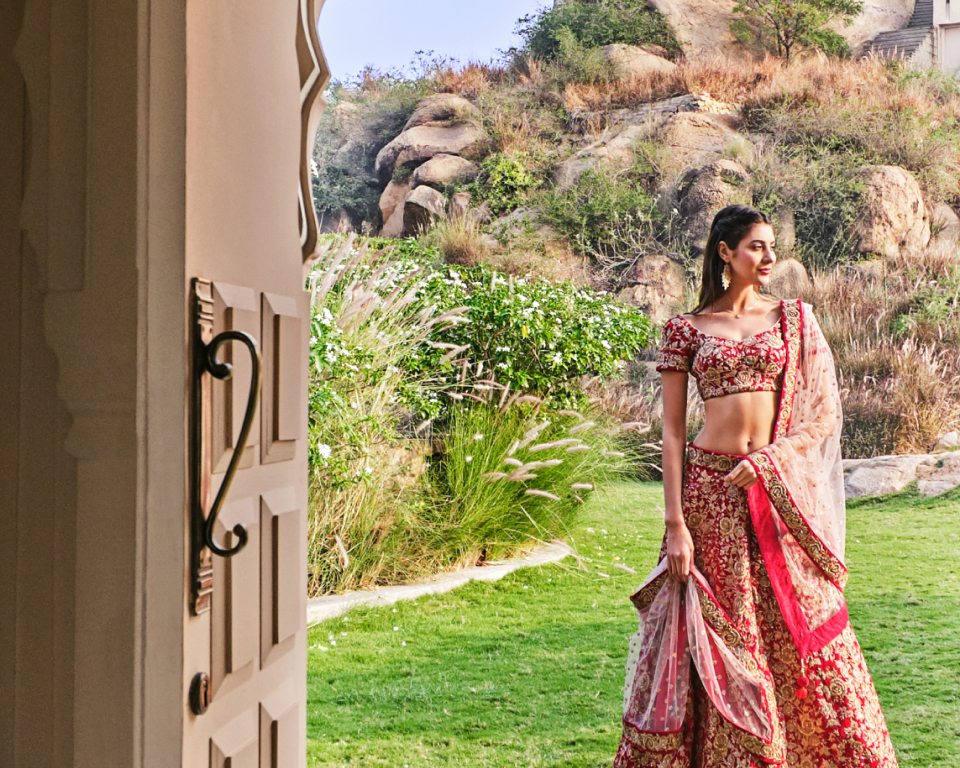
column 528, row 671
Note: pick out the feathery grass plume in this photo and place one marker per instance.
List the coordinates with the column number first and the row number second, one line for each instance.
column 537, row 501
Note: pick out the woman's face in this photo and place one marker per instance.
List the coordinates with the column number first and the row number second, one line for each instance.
column 754, row 257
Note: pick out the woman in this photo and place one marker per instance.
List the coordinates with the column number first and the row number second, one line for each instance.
column 745, row 656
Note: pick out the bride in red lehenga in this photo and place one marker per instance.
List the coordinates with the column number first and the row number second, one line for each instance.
column 745, row 656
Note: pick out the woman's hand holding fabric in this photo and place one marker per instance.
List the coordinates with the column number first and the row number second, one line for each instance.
column 742, row 476
column 679, row 551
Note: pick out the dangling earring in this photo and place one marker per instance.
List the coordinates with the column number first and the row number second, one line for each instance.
column 726, row 275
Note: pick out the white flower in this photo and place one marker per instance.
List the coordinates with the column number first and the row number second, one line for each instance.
column 478, row 436
column 468, row 459
column 324, row 450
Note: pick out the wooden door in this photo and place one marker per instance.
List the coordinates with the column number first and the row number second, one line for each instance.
column 253, row 74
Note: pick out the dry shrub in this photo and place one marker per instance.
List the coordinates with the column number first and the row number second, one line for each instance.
column 926, row 384
column 460, row 239
column 513, row 133
column 469, row 80
column 869, row 82
column 529, row 71
column 901, row 392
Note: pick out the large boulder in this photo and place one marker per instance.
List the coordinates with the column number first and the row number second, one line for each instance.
column 702, row 28
column 340, row 222
column 421, row 207
column 657, row 286
column 615, row 152
column 881, row 474
column 442, row 171
column 704, row 191
column 442, row 108
column 789, row 280
column 939, row 477
column 945, row 222
column 459, row 204
column 391, row 208
column 895, row 219
column 415, row 146
column 630, row 61
column 584, row 121
column 696, row 138
column 948, row 442
column 623, row 128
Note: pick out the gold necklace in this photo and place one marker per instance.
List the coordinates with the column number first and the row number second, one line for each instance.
column 746, row 309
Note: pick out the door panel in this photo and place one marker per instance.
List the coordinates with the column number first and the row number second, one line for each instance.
column 279, row 574
column 235, row 635
column 282, row 330
column 278, row 737
column 237, row 744
column 235, row 309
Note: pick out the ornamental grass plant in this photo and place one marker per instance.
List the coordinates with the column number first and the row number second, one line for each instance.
column 513, row 473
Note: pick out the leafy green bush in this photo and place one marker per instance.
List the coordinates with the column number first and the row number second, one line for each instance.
column 595, row 23
column 577, row 63
column 601, row 211
column 504, row 181
column 539, row 337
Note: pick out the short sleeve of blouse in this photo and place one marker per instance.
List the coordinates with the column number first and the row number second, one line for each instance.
column 677, row 346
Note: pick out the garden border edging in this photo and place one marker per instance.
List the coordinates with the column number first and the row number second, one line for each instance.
column 330, row 606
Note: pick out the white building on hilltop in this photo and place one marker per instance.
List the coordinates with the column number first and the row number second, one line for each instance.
column 930, row 39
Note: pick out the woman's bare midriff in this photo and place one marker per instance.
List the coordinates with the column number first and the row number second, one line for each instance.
column 739, row 423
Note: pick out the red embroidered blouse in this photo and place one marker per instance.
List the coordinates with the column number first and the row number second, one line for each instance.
column 720, row 365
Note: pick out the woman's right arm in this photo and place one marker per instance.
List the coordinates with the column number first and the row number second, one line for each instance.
column 679, row 541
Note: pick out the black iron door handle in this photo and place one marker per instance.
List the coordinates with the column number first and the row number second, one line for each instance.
column 223, row 371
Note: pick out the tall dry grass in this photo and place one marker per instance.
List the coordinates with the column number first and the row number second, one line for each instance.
column 898, row 362
column 871, row 82
column 461, row 240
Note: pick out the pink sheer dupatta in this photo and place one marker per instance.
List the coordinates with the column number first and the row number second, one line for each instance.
column 798, row 514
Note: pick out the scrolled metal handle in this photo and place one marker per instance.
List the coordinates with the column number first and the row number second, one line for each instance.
column 221, row 370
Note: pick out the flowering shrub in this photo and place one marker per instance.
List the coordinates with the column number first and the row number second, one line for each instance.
column 537, row 337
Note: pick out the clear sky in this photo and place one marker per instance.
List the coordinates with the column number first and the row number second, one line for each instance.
column 387, row 33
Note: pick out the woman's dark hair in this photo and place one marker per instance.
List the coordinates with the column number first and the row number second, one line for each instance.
column 730, row 226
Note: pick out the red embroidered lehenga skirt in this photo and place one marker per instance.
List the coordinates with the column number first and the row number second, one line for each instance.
column 821, row 712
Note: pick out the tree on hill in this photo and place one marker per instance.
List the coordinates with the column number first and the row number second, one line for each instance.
column 784, row 25
column 594, row 23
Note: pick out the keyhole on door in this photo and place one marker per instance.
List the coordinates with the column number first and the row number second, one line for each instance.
column 200, row 693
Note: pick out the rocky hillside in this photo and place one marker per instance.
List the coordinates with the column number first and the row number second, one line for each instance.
column 703, row 28
column 606, row 165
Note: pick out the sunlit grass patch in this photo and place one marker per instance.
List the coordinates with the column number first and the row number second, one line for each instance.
column 528, row 671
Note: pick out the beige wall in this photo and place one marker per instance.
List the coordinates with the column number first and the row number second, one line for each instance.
column 94, row 250
column 91, row 311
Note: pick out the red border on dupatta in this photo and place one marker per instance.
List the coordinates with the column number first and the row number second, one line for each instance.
column 761, row 505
